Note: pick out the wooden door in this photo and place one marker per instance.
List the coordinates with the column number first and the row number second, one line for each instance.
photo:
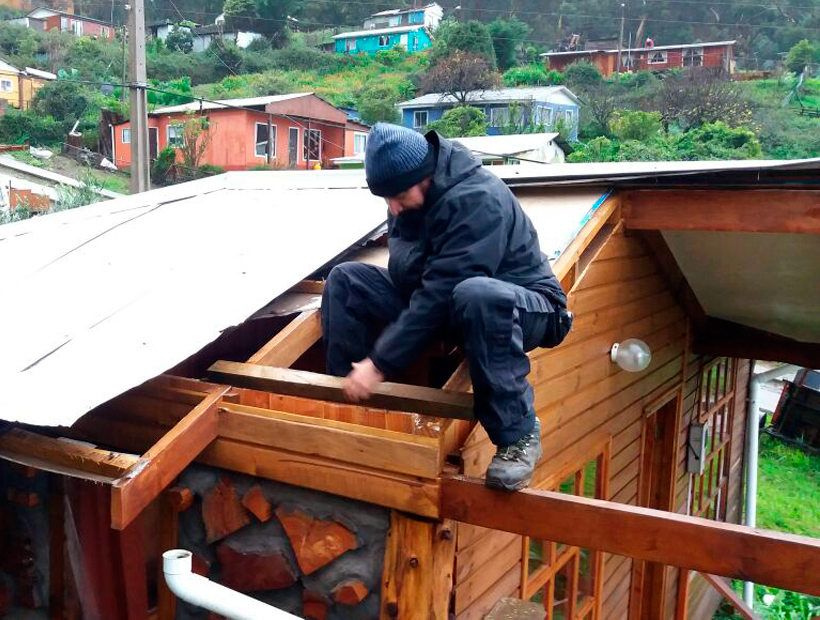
column 293, row 146
column 153, row 143
column 656, row 491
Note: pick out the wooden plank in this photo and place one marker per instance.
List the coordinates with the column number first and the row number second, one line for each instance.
column 292, row 342
column 471, row 588
column 480, row 555
column 776, row 559
column 729, row 339
column 387, row 450
column 313, row 287
column 624, row 269
column 507, row 585
column 395, row 396
column 573, row 251
column 406, row 493
column 730, row 595
column 64, row 456
column 164, row 461
column 682, row 606
column 758, row 211
column 56, row 548
column 168, row 539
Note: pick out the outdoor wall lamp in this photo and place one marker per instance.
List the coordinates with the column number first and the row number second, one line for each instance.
column 631, row 355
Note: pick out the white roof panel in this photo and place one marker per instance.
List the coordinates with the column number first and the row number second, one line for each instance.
column 108, row 296
column 195, row 106
column 506, row 144
column 391, row 30
column 502, row 95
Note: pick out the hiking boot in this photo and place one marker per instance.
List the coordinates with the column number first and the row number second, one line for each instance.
column 512, row 466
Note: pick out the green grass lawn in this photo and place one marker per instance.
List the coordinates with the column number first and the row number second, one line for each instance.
column 788, row 501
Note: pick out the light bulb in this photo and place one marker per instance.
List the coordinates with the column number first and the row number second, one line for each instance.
column 631, row 355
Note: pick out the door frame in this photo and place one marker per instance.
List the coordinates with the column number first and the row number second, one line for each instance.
column 670, row 406
column 155, row 142
column 294, row 162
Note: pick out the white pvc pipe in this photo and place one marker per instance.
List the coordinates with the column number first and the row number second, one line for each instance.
column 202, row 592
column 752, row 442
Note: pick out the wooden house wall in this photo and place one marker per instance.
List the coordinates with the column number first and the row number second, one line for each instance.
column 583, row 399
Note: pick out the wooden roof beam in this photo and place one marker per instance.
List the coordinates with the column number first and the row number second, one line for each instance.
column 393, row 396
column 165, row 460
column 62, row 456
column 292, row 342
column 753, row 210
column 773, row 558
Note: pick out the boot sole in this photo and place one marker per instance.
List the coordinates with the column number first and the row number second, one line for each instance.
column 497, row 484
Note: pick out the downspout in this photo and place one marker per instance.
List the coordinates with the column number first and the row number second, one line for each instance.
column 202, row 592
column 752, row 438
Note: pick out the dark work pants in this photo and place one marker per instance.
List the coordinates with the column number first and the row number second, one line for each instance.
column 497, row 323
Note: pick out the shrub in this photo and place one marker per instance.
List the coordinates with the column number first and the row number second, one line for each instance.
column 302, row 59
column 718, row 141
column 532, row 75
column 508, row 37
column 180, row 40
column 460, row 122
column 801, row 55
column 582, row 73
column 635, row 125
column 163, row 165
column 378, row 103
column 472, row 36
column 21, row 126
column 70, row 197
column 208, row 170
column 392, row 57
column 66, row 100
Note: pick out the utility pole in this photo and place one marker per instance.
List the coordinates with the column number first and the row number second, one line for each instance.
column 620, row 41
column 140, row 175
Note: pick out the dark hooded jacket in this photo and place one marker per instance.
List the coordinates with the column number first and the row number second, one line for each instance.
column 470, row 225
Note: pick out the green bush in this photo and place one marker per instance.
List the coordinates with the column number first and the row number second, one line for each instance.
column 180, row 40
column 377, row 102
column 718, row 141
column 801, row 55
column 635, row 125
column 471, row 36
column 22, row 126
column 532, row 75
column 65, row 100
column 207, row 170
column 460, row 122
column 392, row 57
column 508, row 36
column 261, row 44
column 302, row 59
column 162, row 165
column 582, row 73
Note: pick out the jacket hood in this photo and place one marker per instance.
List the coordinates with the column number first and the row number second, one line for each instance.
column 454, row 163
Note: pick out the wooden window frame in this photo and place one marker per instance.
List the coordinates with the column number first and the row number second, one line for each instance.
column 125, row 135
column 416, row 114
column 570, row 556
column 708, row 492
column 256, row 144
column 306, row 139
column 664, row 58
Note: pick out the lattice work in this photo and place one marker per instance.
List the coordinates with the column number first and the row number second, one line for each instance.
column 715, row 409
column 568, row 580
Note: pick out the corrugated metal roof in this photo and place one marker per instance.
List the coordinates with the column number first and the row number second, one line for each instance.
column 107, row 296
column 503, row 95
column 244, row 102
column 391, row 30
column 641, row 49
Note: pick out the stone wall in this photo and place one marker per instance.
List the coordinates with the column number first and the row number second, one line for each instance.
column 309, row 553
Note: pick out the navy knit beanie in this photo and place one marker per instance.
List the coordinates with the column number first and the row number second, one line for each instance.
column 397, row 158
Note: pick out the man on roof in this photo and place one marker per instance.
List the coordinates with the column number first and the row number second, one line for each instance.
column 465, row 264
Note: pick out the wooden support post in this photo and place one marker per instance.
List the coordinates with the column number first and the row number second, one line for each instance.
column 682, row 606
column 418, row 569
column 730, row 595
column 170, row 503
column 164, row 461
column 291, row 343
column 56, row 547
column 773, row 558
column 393, row 396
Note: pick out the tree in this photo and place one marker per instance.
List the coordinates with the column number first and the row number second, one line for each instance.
column 240, row 14
column 508, row 37
column 800, row 56
column 460, row 74
column 196, row 137
column 635, row 125
column 472, row 36
column 227, row 56
column 461, row 121
column 377, row 102
column 276, row 14
column 701, row 96
column 718, row 141
column 65, row 101
column 180, row 40
column 600, row 102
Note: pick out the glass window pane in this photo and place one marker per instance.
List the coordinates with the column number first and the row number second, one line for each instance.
column 538, row 556
column 568, row 485
column 560, row 606
column 590, row 478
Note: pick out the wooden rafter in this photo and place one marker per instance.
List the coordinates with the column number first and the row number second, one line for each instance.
column 776, row 559
column 725, row 338
column 63, row 456
column 760, row 210
column 394, row 396
column 164, row 461
column 292, row 342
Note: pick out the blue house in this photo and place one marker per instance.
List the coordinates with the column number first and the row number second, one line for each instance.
column 410, row 28
column 542, row 106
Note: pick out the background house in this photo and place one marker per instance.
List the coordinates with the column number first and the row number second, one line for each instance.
column 305, row 130
column 17, row 88
column 717, row 54
column 410, row 28
column 538, row 106
column 68, row 22
column 545, row 148
column 204, row 35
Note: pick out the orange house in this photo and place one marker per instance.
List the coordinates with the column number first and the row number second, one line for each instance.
column 305, row 130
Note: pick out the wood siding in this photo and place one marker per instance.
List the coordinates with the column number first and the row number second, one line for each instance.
column 582, row 399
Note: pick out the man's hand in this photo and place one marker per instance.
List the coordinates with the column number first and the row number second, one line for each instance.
column 362, row 380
